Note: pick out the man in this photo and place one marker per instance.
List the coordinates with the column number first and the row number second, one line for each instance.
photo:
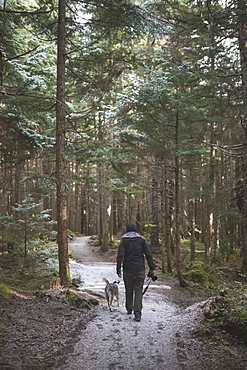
column 131, row 253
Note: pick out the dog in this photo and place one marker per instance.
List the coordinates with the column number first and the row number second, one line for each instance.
column 111, row 292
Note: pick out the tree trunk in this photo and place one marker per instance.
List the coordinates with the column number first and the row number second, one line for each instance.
column 154, row 205
column 192, row 229
column 166, row 221
column 177, row 214
column 77, row 202
column 62, row 237
column 134, row 208
column 106, row 212
column 242, row 36
column 125, row 213
column 100, row 203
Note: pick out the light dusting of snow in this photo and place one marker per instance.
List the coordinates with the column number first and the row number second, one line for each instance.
column 113, row 340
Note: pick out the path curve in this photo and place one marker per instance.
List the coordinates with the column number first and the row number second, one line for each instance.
column 113, row 340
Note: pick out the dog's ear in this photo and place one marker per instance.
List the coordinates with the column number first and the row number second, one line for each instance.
column 116, row 282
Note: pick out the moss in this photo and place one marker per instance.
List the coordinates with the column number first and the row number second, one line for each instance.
column 234, row 316
column 4, row 290
column 197, row 273
column 228, row 314
column 75, row 300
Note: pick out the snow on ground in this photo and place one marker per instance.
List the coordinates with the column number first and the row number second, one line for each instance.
column 113, row 340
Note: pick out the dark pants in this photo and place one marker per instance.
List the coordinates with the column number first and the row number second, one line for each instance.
column 133, row 291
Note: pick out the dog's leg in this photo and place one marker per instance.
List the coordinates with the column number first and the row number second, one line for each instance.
column 108, row 301
column 111, row 302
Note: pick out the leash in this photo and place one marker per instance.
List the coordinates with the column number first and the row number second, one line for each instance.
column 148, row 283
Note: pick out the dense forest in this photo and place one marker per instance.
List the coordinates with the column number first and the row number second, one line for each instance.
column 115, row 112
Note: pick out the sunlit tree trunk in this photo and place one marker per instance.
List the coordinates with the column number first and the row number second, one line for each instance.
column 62, row 237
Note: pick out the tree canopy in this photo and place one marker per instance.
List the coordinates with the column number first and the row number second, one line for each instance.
column 154, row 107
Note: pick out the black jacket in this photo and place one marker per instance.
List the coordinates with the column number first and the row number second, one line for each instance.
column 131, row 253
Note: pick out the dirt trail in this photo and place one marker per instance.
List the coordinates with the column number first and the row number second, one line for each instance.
column 47, row 333
column 112, row 340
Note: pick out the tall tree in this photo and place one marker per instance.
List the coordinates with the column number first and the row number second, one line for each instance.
column 242, row 36
column 62, row 236
column 177, row 211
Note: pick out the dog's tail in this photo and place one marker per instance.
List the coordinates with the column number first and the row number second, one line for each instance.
column 106, row 281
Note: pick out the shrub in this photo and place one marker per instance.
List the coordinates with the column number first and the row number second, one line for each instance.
column 229, row 313
column 197, row 273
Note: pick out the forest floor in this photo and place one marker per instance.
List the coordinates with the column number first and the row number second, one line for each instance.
column 47, row 333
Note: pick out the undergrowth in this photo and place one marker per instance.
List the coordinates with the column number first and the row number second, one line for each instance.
column 226, row 315
column 37, row 269
column 226, row 318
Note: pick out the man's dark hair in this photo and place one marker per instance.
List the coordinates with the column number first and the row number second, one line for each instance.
column 131, row 227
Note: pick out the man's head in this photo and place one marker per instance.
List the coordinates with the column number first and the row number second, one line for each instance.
column 131, row 227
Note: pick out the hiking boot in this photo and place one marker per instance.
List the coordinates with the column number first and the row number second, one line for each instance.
column 129, row 312
column 137, row 318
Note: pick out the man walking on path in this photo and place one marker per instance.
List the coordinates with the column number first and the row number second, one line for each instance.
column 131, row 253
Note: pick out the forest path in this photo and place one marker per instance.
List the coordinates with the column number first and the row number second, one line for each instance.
column 113, row 340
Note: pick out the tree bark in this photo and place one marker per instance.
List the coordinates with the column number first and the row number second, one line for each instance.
column 166, row 221
column 242, row 36
column 106, row 212
column 155, row 206
column 192, row 230
column 62, row 237
column 100, row 203
column 177, row 214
